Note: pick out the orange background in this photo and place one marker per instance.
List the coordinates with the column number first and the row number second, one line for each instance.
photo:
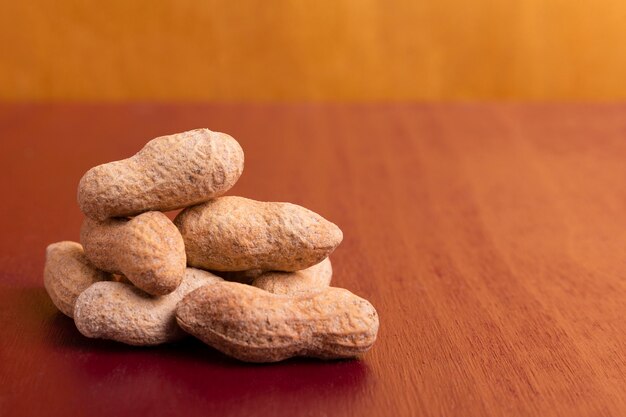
column 313, row 50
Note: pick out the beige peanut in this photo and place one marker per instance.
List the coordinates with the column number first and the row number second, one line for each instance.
column 67, row 273
column 314, row 278
column 236, row 233
column 147, row 249
column 253, row 325
column 122, row 312
column 170, row 172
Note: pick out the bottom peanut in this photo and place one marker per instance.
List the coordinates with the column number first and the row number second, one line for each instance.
column 119, row 311
column 254, row 325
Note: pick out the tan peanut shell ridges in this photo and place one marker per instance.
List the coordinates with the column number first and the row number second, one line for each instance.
column 147, row 249
column 235, row 234
column 122, row 312
column 67, row 273
column 254, row 325
column 314, row 278
column 170, row 172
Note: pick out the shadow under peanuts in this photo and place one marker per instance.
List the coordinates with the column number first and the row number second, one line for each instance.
column 186, row 377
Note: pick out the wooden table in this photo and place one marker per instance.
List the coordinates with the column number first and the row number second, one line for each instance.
column 491, row 239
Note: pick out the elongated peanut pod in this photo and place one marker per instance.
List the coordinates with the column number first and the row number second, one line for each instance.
column 67, row 273
column 122, row 312
column 147, row 249
column 314, row 278
column 170, row 172
column 236, row 234
column 253, row 325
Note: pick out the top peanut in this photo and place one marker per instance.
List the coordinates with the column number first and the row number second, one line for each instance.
column 170, row 172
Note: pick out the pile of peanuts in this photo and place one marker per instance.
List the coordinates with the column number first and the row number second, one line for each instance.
column 249, row 278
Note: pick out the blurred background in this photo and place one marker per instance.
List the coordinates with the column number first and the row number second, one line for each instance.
column 339, row 50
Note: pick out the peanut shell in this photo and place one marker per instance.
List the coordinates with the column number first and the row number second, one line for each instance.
column 253, row 325
column 314, row 278
column 236, row 234
column 122, row 312
column 147, row 249
column 170, row 172
column 67, row 273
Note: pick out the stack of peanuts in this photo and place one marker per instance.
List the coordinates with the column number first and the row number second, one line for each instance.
column 248, row 278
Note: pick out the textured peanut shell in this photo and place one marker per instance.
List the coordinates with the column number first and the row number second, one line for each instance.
column 253, row 325
column 236, row 234
column 67, row 273
column 147, row 249
column 314, row 278
column 122, row 312
column 170, row 172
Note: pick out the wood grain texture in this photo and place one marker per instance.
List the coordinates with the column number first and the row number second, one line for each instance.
column 315, row 50
column 489, row 237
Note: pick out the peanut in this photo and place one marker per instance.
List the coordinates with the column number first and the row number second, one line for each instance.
column 147, row 249
column 236, row 233
column 170, row 172
column 121, row 312
column 67, row 273
column 314, row 278
column 253, row 325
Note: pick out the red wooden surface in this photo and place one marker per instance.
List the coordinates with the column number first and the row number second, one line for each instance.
column 489, row 237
